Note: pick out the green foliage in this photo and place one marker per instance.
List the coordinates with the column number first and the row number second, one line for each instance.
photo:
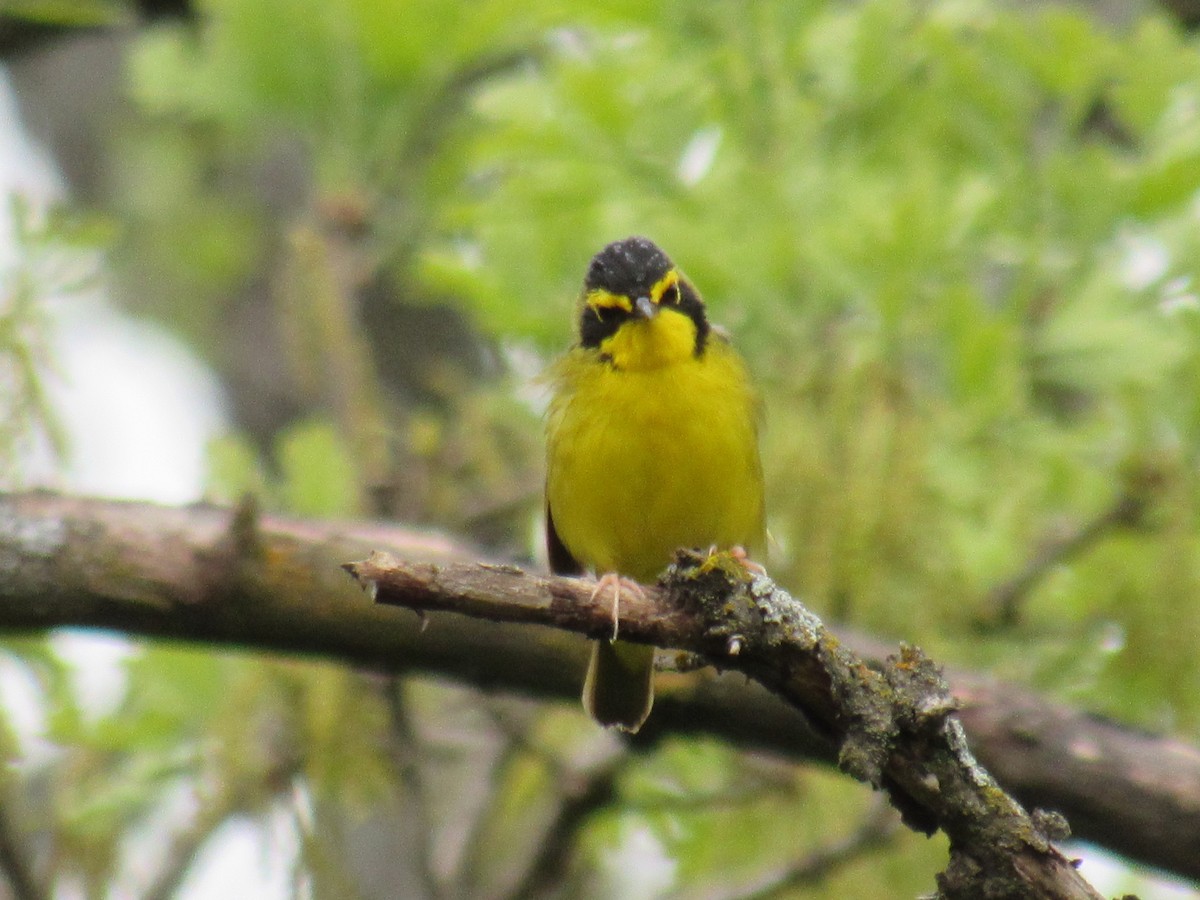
column 929, row 243
column 231, row 730
column 956, row 240
column 55, row 259
column 316, row 474
column 69, row 13
column 731, row 822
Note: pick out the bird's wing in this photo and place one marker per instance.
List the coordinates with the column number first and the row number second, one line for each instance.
column 561, row 560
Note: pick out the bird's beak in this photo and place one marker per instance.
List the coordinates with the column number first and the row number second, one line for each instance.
column 645, row 308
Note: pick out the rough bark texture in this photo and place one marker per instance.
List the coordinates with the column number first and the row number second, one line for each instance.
column 895, row 729
column 221, row 576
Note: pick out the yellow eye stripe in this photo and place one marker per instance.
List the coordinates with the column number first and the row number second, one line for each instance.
column 664, row 284
column 599, row 298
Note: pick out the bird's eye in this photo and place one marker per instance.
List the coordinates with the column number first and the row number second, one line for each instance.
column 670, row 294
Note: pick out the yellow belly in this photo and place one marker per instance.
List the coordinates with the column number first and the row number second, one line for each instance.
column 640, row 463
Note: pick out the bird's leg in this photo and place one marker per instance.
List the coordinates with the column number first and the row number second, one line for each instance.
column 616, row 583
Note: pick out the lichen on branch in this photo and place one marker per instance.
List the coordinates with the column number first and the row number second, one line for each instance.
column 895, row 726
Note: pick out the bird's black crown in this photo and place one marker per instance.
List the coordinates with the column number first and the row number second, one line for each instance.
column 628, row 268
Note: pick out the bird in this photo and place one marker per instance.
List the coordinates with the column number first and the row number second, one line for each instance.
column 652, row 445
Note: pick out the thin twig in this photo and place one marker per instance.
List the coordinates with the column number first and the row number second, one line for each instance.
column 187, row 844
column 14, row 862
column 1005, row 600
column 587, row 794
column 404, row 751
column 755, row 780
column 879, row 827
column 583, row 793
column 476, row 847
column 229, row 800
column 446, row 103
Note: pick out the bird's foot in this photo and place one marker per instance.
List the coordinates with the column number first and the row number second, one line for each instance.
column 617, row 583
column 738, row 552
column 740, row 556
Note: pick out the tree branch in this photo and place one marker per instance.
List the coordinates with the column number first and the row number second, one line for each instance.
column 895, row 729
column 206, row 574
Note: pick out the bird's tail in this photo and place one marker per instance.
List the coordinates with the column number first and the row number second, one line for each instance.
column 619, row 688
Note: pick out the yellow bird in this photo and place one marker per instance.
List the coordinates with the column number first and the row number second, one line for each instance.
column 651, row 445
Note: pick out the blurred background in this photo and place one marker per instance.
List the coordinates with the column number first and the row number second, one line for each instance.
column 318, row 251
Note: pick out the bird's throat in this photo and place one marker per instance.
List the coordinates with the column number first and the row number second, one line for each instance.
column 640, row 344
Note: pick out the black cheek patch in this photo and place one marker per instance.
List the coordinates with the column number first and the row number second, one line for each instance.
column 595, row 324
column 692, row 306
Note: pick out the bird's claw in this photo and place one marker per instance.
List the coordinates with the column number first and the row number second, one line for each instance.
column 741, row 557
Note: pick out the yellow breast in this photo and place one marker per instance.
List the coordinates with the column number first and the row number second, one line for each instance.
column 651, row 448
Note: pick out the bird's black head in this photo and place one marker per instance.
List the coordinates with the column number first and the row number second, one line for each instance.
column 633, row 279
column 628, row 268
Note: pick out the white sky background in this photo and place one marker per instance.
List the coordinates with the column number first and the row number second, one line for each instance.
column 139, row 409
